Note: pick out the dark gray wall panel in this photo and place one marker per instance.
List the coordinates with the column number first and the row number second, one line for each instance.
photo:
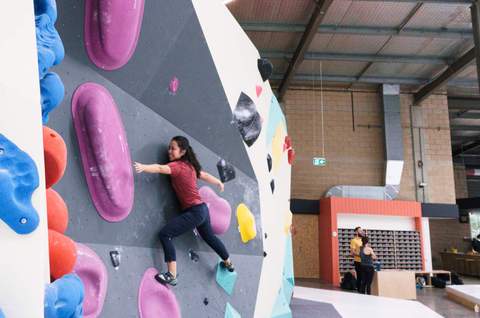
column 171, row 44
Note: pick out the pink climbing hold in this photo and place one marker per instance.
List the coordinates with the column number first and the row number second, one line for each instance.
column 173, row 87
column 91, row 270
column 156, row 300
column 287, row 144
column 259, row 90
column 111, row 31
column 220, row 210
column 104, row 150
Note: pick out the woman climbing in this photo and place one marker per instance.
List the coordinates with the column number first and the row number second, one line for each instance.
column 184, row 169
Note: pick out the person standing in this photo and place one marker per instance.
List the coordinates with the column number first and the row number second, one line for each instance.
column 355, row 246
column 367, row 256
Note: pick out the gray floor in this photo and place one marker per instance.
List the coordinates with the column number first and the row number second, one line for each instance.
column 434, row 298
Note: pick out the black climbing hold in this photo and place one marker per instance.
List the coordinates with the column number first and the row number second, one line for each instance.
column 193, row 256
column 265, row 68
column 272, row 185
column 269, row 162
column 264, row 254
column 247, row 119
column 115, row 258
column 205, row 301
column 226, row 171
column 265, row 235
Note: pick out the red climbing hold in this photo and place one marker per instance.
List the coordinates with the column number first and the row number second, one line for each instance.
column 63, row 254
column 55, row 153
column 259, row 90
column 57, row 212
column 291, row 156
column 287, row 144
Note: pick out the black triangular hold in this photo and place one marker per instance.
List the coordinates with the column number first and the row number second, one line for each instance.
column 226, row 171
column 269, row 162
column 265, row 68
column 272, row 185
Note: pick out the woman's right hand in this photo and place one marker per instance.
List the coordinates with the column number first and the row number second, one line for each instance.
column 221, row 187
column 139, row 168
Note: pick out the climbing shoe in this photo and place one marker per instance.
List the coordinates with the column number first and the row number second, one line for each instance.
column 166, row 278
column 228, row 265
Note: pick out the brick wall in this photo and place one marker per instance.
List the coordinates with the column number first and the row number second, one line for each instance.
column 353, row 144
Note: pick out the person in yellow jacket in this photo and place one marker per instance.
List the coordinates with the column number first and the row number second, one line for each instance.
column 355, row 247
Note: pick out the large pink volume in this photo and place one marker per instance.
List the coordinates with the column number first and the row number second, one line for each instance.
column 156, row 300
column 91, row 270
column 111, row 31
column 104, row 150
column 219, row 209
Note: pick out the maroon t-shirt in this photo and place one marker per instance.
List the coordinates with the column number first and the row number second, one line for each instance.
column 184, row 182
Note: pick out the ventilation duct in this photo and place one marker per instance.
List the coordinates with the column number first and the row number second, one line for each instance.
column 393, row 151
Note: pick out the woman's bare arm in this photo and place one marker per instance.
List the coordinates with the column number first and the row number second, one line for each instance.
column 205, row 176
column 152, row 168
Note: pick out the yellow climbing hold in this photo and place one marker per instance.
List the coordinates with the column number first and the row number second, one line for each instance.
column 288, row 222
column 277, row 146
column 246, row 223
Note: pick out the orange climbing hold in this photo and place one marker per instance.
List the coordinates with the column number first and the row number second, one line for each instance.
column 63, row 254
column 57, row 212
column 55, row 153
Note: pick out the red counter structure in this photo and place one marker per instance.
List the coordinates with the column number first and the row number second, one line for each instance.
column 328, row 229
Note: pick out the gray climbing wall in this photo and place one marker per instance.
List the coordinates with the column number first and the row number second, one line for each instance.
column 173, row 43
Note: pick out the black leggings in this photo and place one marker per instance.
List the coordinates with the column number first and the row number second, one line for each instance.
column 358, row 271
column 367, row 278
column 194, row 217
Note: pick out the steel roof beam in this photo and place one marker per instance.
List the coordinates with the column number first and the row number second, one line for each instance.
column 359, row 30
column 410, row 59
column 318, row 14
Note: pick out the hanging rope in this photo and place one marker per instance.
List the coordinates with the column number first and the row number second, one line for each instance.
column 321, row 109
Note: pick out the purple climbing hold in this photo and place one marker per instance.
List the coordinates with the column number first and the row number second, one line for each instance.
column 219, row 209
column 156, row 300
column 173, row 86
column 104, row 150
column 18, row 181
column 112, row 29
column 93, row 273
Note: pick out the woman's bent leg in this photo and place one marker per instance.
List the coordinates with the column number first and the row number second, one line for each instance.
column 188, row 220
column 206, row 232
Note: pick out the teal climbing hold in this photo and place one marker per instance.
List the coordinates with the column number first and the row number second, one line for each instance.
column 288, row 276
column 230, row 312
column 226, row 279
column 281, row 308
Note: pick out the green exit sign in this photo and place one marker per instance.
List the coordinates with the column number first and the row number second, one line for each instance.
column 318, row 161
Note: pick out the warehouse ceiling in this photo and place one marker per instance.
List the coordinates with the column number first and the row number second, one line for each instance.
column 425, row 46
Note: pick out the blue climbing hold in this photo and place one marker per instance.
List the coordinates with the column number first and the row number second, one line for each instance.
column 48, row 37
column 1, row 314
column 52, row 92
column 64, row 298
column 281, row 308
column 18, row 181
column 48, row 7
column 46, row 58
column 226, row 279
column 230, row 312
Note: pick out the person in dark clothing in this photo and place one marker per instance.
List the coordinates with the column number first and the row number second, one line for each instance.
column 184, row 169
column 355, row 245
column 367, row 256
column 476, row 244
